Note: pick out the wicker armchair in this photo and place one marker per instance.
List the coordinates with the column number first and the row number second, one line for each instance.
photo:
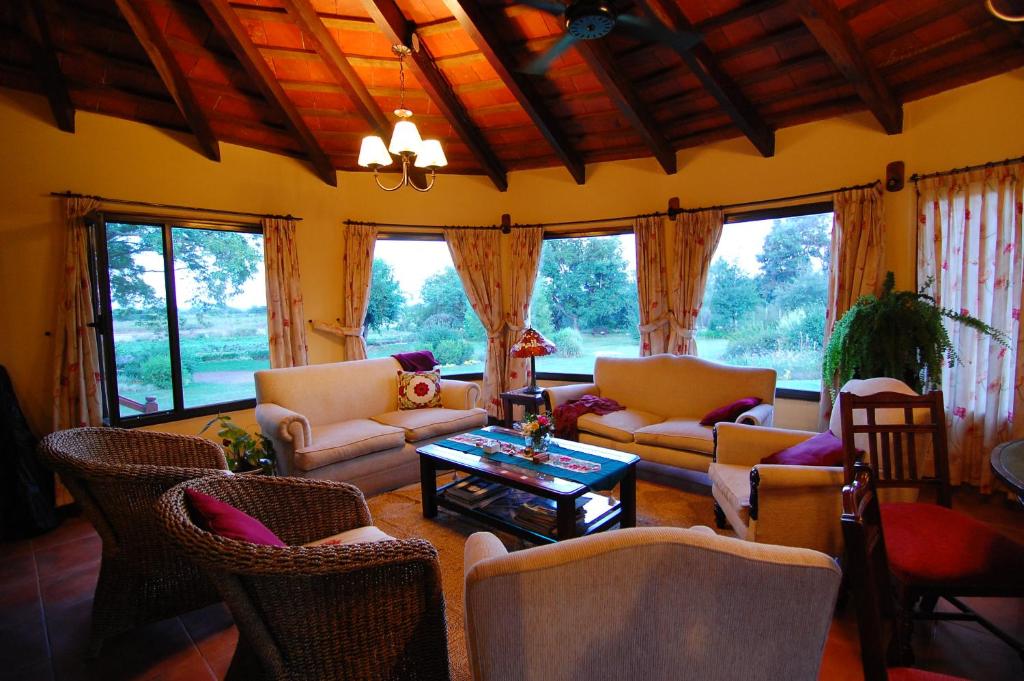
column 116, row 476
column 367, row 611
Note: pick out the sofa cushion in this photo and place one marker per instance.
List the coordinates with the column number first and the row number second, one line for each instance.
column 729, row 412
column 360, row 535
column 824, row 449
column 224, row 520
column 733, row 483
column 347, row 440
column 618, row 425
column 420, row 424
column 685, row 434
column 419, row 389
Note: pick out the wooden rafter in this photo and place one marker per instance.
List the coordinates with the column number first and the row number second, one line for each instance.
column 718, row 84
column 153, row 42
column 623, row 95
column 389, row 19
column 226, row 23
column 44, row 56
column 833, row 33
column 471, row 18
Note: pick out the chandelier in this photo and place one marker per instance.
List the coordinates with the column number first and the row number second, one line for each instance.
column 405, row 142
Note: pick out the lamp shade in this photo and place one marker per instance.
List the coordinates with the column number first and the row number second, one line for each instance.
column 431, row 155
column 373, row 153
column 532, row 344
column 405, row 139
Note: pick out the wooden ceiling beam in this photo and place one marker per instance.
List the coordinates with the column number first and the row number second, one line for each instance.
column 833, row 33
column 305, row 16
column 47, row 66
column 702, row 62
column 733, row 16
column 389, row 18
column 226, row 23
column 174, row 79
column 470, row 16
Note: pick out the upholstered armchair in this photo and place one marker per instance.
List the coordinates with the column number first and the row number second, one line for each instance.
column 646, row 603
column 782, row 504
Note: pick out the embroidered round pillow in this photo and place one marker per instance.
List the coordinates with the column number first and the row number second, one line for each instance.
column 419, row 389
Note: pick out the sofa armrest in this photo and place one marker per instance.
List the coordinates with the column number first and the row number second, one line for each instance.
column 797, row 506
column 559, row 395
column 459, row 394
column 288, row 430
column 761, row 415
column 741, row 445
column 779, row 476
column 482, row 546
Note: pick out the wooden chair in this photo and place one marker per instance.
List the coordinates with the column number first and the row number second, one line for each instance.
column 867, row 574
column 931, row 551
column 116, row 476
column 367, row 611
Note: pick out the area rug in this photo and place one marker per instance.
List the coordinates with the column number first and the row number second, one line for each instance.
column 399, row 514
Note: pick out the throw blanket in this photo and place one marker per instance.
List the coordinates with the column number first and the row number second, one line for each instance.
column 567, row 414
column 421, row 360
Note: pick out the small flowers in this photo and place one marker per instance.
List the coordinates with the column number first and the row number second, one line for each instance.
column 535, row 425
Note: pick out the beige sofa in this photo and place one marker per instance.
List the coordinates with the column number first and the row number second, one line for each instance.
column 341, row 421
column 665, row 397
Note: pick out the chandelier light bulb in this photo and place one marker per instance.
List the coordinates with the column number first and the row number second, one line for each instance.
column 373, row 153
column 431, row 155
column 405, row 139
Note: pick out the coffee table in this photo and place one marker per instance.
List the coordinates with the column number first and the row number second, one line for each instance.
column 600, row 512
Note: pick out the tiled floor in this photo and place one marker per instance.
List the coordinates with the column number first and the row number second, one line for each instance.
column 46, row 587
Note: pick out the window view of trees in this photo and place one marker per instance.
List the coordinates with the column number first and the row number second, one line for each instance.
column 220, row 304
column 766, row 298
column 585, row 301
column 417, row 302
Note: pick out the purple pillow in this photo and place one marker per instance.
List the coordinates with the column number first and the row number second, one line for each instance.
column 420, row 360
column 225, row 520
column 824, row 449
column 729, row 412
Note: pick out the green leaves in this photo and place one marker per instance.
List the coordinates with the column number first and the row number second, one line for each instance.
column 243, row 450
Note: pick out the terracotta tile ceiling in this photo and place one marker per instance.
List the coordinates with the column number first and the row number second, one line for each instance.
column 310, row 78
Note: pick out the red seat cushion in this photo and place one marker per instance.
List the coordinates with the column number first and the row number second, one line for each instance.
column 907, row 674
column 931, row 545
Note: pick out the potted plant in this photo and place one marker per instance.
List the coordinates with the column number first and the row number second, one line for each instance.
column 899, row 334
column 244, row 451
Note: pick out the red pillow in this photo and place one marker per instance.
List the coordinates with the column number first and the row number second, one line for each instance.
column 729, row 412
column 224, row 520
column 824, row 449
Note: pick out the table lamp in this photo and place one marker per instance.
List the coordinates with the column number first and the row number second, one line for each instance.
column 531, row 344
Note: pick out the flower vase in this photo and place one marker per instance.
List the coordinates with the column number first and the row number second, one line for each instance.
column 540, row 443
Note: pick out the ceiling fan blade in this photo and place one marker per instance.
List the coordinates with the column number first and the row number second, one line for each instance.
column 556, row 8
column 542, row 63
column 655, row 31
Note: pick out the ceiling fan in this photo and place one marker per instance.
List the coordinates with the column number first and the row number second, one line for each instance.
column 592, row 19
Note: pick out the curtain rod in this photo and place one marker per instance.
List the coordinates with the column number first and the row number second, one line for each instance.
column 981, row 166
column 620, row 218
column 170, row 206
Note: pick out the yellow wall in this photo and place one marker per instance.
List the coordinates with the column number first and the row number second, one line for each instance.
column 977, row 123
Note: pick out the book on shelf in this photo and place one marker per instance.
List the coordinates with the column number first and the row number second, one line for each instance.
column 475, row 493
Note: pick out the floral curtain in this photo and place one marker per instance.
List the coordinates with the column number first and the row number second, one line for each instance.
column 969, row 244
column 655, row 316
column 524, row 245
column 76, row 393
column 284, row 294
column 357, row 262
column 477, row 257
column 696, row 238
column 857, row 259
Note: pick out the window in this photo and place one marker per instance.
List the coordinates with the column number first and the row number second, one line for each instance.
column 585, row 302
column 767, row 294
column 417, row 303
column 181, row 316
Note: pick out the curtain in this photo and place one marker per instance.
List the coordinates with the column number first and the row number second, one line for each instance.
column 76, row 393
column 285, row 325
column 856, row 262
column 655, row 316
column 524, row 246
column 969, row 245
column 477, row 257
column 357, row 262
column 696, row 238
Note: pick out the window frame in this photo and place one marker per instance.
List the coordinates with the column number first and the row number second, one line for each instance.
column 104, row 319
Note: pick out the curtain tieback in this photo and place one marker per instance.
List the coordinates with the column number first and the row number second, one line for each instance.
column 507, row 326
column 661, row 321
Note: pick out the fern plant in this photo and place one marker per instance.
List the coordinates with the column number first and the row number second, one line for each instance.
column 899, row 334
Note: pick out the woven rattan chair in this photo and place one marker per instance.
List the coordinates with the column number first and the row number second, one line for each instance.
column 367, row 611
column 116, row 476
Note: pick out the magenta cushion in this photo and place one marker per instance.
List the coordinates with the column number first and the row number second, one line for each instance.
column 824, row 449
column 225, row 520
column 729, row 412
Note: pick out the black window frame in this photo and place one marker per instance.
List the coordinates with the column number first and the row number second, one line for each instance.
column 104, row 320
